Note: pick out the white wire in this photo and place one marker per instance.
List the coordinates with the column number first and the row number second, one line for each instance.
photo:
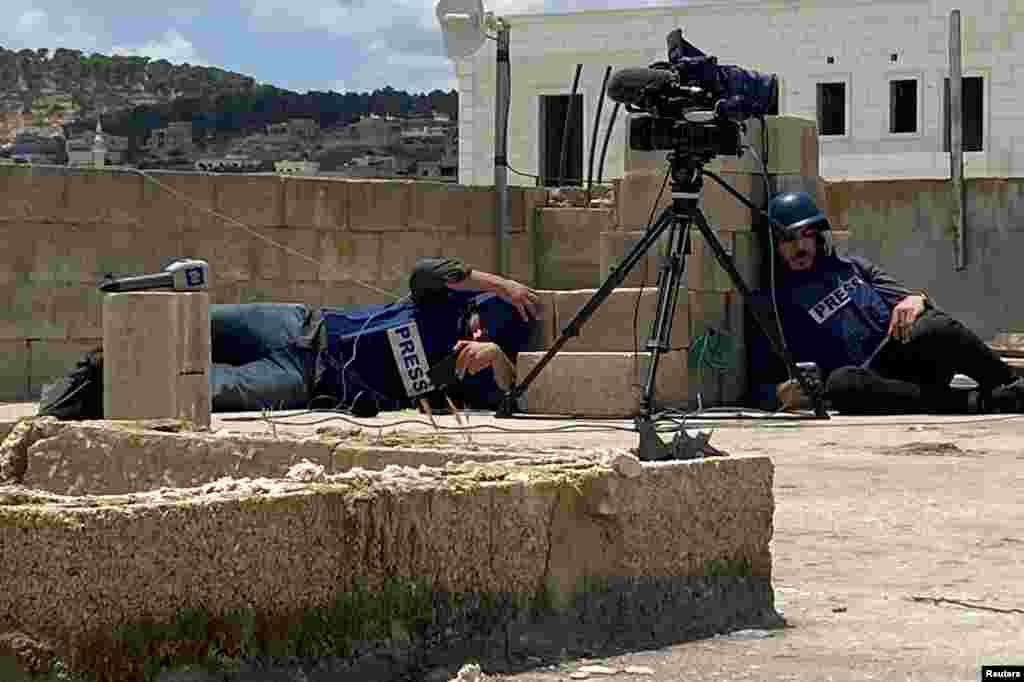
column 771, row 258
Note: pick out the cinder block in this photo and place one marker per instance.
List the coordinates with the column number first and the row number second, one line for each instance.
column 282, row 291
column 641, row 199
column 437, row 207
column 178, row 201
column 14, row 372
column 567, row 244
column 400, row 251
column 522, row 255
column 342, row 294
column 615, row 246
column 321, row 204
column 294, row 254
column 533, row 198
column 79, row 309
column 90, row 252
column 350, row 255
column 51, row 360
column 231, row 252
column 254, row 200
column 107, row 197
column 29, row 252
column 379, row 205
column 611, row 328
column 724, row 211
column 29, row 313
column 600, row 384
column 481, row 210
column 156, row 356
column 707, row 274
column 476, row 250
column 33, row 194
column 792, row 148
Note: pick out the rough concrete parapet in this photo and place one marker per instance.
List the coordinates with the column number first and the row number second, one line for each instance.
column 518, row 558
column 117, row 458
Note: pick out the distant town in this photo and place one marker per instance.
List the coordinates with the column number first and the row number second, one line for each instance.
column 417, row 145
column 65, row 107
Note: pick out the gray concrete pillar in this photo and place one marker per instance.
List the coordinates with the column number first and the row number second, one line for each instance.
column 156, row 356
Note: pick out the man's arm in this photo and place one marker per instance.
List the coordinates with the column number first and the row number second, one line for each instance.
column 432, row 275
column 906, row 305
column 891, row 289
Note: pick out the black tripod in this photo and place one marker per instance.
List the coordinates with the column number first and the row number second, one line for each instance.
column 686, row 183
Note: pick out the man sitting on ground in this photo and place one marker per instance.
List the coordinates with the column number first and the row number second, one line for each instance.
column 881, row 348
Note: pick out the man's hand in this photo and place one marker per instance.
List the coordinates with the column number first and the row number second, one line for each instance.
column 474, row 356
column 790, row 395
column 522, row 297
column 904, row 315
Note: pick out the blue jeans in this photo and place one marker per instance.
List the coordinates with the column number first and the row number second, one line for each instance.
column 259, row 359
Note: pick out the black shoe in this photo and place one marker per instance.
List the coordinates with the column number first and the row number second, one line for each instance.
column 1008, row 397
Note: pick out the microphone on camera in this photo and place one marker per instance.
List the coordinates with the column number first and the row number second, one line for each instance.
column 632, row 85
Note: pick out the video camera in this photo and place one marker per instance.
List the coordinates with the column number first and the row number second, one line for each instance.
column 692, row 104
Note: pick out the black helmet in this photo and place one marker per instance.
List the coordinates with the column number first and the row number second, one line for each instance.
column 794, row 210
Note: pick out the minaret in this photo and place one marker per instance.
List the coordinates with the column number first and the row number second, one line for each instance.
column 99, row 146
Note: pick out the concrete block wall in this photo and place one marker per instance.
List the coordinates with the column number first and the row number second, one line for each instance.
column 63, row 229
column 905, row 226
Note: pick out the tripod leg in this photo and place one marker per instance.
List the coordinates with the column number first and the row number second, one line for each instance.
column 669, row 278
column 617, row 276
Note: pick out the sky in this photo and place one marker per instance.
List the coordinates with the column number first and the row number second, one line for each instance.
column 300, row 45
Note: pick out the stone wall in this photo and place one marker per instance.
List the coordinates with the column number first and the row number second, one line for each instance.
column 63, row 230
column 905, row 226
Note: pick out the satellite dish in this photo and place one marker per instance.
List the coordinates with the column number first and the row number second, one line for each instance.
column 462, row 22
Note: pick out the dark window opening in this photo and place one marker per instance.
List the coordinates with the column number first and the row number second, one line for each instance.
column 831, row 108
column 903, row 106
column 972, row 113
column 553, row 112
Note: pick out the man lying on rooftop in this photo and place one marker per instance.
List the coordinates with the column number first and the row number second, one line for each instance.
column 360, row 359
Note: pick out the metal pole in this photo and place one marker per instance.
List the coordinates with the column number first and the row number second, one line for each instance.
column 501, row 104
column 956, row 141
column 593, row 133
column 565, row 128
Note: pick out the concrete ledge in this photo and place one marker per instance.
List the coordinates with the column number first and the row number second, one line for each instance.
column 516, row 558
column 123, row 457
column 600, row 384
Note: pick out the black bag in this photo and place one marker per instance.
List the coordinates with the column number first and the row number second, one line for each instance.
column 79, row 395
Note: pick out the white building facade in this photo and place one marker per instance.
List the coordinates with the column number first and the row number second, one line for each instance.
column 872, row 73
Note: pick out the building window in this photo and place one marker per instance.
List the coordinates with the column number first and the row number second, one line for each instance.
column 903, row 106
column 832, row 108
column 972, row 113
column 554, row 112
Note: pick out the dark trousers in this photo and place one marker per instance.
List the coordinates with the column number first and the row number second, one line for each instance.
column 915, row 376
column 258, row 357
